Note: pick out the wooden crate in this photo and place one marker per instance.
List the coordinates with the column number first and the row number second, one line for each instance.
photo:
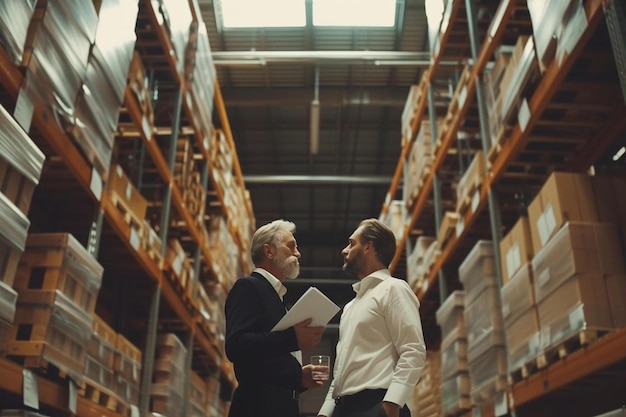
column 169, row 347
column 102, row 342
column 9, row 261
column 126, row 198
column 126, row 390
column 15, row 186
column 197, row 390
column 127, row 362
column 49, row 329
column 99, row 373
column 104, row 395
column 167, row 372
column 447, row 228
column 8, row 298
column 165, row 399
column 54, row 261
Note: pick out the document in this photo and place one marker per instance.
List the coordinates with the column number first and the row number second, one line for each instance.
column 314, row 304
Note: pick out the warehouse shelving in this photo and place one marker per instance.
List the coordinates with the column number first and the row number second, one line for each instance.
column 177, row 313
column 555, row 79
column 52, row 395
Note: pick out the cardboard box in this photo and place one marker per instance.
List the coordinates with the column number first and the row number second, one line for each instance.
column 478, row 270
column 523, row 338
column 415, row 260
column 450, row 315
column 483, row 318
column 592, row 252
column 489, row 365
column 563, row 197
column 447, row 228
column 610, row 198
column 580, row 303
column 518, row 294
column 453, row 355
column 455, row 394
column 516, row 249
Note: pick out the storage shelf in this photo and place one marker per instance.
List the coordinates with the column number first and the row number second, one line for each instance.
column 554, row 84
column 548, row 86
column 603, row 353
column 51, row 394
column 486, row 52
column 550, row 82
column 44, row 121
column 86, row 176
column 199, row 134
column 157, row 156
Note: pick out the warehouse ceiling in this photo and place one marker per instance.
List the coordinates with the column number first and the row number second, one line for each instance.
column 268, row 79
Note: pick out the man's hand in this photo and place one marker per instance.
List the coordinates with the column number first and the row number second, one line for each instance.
column 307, row 376
column 308, row 336
column 391, row 409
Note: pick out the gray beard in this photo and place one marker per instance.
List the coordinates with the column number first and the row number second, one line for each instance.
column 296, row 272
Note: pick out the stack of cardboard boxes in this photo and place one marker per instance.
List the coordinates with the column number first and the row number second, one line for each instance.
column 486, row 349
column 455, row 378
column 563, row 267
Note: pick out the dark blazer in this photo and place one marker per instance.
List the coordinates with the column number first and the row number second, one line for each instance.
column 261, row 358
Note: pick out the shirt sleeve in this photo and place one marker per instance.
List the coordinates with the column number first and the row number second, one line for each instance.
column 405, row 328
column 328, row 406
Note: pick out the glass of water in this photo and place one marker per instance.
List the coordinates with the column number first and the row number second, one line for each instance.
column 321, row 372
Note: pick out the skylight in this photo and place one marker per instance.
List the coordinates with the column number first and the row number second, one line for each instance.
column 354, row 12
column 267, row 13
column 291, row 13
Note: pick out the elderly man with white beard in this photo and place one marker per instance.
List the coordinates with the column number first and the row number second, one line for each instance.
column 268, row 364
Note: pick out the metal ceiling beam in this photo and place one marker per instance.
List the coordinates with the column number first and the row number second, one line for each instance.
column 394, row 58
column 328, row 96
column 317, row 179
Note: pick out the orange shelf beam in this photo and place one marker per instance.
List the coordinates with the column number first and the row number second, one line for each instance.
column 485, row 54
column 50, row 393
column 123, row 231
column 605, row 352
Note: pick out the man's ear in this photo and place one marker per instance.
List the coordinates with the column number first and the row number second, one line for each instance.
column 267, row 251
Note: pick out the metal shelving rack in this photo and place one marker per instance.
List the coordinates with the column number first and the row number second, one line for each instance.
column 54, row 395
column 606, row 353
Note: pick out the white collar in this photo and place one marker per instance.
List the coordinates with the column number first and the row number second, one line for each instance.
column 371, row 280
column 281, row 290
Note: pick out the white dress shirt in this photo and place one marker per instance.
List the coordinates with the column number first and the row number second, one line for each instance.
column 281, row 290
column 381, row 344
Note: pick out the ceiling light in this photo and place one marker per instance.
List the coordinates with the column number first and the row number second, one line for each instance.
column 619, row 153
column 314, row 129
